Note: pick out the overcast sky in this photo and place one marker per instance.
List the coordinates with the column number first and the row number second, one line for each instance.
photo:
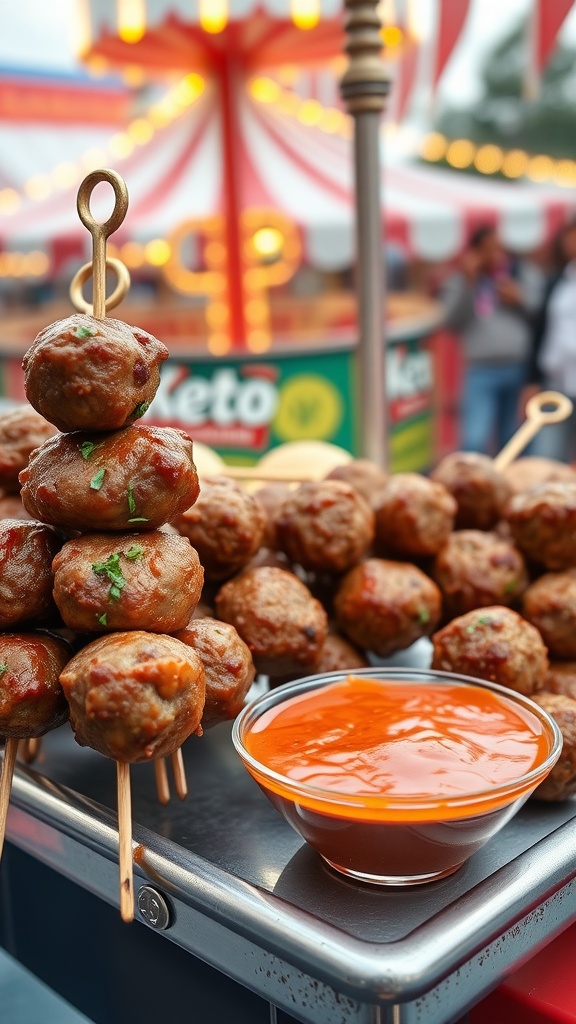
column 36, row 34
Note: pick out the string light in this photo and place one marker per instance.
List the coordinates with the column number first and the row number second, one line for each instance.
column 157, row 252
column 488, row 159
column 131, row 20
column 305, row 13
column 213, row 15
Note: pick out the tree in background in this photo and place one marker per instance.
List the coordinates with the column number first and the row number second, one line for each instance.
column 505, row 116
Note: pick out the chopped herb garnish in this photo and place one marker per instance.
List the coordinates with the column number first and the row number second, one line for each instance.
column 3, row 668
column 139, row 519
column 484, row 620
column 470, row 629
column 131, row 499
column 141, row 409
column 88, row 448
column 103, row 619
column 112, row 569
column 424, row 615
column 97, row 480
column 83, row 332
column 510, row 586
column 134, row 552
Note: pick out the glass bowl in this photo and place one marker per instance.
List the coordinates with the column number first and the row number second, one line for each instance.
column 389, row 839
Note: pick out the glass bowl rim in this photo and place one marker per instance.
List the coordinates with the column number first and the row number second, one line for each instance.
column 280, row 693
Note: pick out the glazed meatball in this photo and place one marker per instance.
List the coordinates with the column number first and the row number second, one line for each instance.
column 385, row 606
column 21, row 431
column 363, row 475
column 226, row 526
column 550, row 605
column 475, row 569
column 338, row 655
column 31, row 699
column 104, row 582
column 480, row 491
column 26, row 553
column 543, row 524
column 325, row 526
column 276, row 616
column 134, row 696
column 227, row 663
column 494, row 644
column 533, row 470
column 561, row 678
column 271, row 498
column 87, row 374
column 414, row 516
column 561, row 782
column 136, row 478
column 11, row 507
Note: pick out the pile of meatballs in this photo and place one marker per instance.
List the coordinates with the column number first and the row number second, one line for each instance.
column 104, row 532
column 103, row 589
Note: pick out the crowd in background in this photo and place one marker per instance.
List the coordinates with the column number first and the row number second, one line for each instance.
column 517, row 325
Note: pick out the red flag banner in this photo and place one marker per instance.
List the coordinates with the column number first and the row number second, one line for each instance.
column 451, row 18
column 549, row 16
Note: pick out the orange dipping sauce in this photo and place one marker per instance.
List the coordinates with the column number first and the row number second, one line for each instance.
column 396, row 779
column 364, row 737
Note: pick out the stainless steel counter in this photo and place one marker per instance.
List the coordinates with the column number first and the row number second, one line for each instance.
column 249, row 898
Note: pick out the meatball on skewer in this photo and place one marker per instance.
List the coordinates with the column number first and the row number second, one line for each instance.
column 133, row 697
column 414, row 515
column 32, row 701
column 104, row 582
column 550, row 605
column 26, row 580
column 226, row 526
column 83, row 373
column 227, row 663
column 475, row 569
column 561, row 782
column 137, row 478
column 479, row 489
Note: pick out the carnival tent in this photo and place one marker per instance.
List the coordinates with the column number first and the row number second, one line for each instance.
column 301, row 170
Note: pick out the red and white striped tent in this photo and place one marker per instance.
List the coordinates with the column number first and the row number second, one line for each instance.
column 281, row 164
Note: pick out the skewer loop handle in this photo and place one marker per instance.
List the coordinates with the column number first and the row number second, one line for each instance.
column 120, row 205
column 542, row 409
column 85, row 273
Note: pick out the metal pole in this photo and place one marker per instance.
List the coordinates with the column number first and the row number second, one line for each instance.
column 364, row 88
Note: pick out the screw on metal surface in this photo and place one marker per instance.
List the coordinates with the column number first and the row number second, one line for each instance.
column 153, row 907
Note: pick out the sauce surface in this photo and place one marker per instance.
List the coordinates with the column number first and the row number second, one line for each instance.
column 399, row 739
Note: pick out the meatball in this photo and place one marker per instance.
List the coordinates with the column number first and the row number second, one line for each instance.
column 414, row 516
column 276, row 616
column 494, row 644
column 363, row 475
column 150, row 580
column 475, row 569
column 136, row 478
column 226, row 526
column 533, row 470
column 550, row 605
column 385, row 606
column 271, row 497
column 338, row 655
column 87, row 374
column 227, row 663
column 561, row 678
column 134, row 696
column 561, row 782
column 325, row 526
column 26, row 553
column 31, row 699
column 481, row 492
column 543, row 524
column 21, row 430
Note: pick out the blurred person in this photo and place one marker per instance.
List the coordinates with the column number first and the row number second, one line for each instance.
column 553, row 357
column 490, row 302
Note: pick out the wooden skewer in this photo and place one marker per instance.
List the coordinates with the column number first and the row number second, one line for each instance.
column 262, row 473
column 179, row 772
column 29, row 749
column 10, row 751
column 162, row 784
column 546, row 407
column 125, row 842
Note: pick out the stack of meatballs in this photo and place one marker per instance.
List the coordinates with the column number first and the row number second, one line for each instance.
column 97, row 553
column 287, row 581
